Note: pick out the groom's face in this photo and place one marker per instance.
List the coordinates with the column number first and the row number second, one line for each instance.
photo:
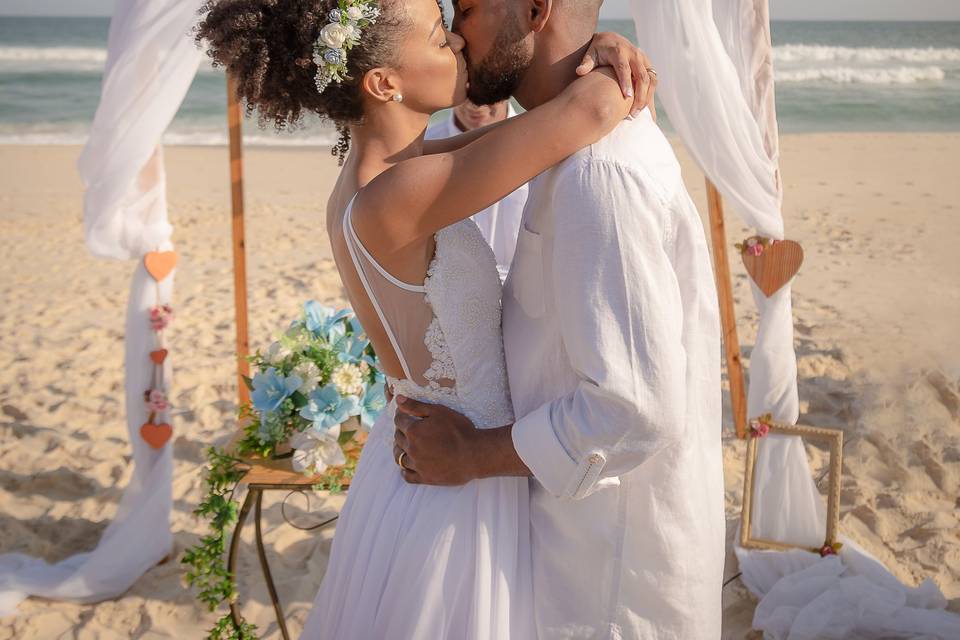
column 498, row 48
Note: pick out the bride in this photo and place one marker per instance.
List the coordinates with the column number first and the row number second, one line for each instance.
column 413, row 561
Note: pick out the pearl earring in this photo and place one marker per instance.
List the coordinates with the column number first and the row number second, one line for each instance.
column 398, row 97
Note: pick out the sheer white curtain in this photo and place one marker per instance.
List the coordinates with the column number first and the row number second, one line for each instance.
column 714, row 62
column 151, row 61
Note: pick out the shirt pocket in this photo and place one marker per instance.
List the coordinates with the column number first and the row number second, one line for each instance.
column 528, row 276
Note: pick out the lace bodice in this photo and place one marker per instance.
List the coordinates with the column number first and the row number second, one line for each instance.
column 464, row 366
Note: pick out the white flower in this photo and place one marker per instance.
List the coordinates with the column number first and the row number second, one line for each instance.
column 334, row 35
column 314, row 450
column 276, row 353
column 353, row 33
column 348, row 379
column 310, row 374
column 354, row 12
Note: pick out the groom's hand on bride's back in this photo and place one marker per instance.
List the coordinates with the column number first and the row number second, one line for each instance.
column 437, row 442
column 443, row 447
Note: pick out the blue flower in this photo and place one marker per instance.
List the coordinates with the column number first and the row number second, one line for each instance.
column 333, row 56
column 325, row 322
column 356, row 327
column 270, row 389
column 374, row 401
column 335, row 15
column 351, row 349
column 326, row 408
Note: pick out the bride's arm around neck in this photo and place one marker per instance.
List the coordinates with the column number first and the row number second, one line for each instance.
column 418, row 197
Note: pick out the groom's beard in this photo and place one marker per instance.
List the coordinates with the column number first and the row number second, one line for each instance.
column 497, row 76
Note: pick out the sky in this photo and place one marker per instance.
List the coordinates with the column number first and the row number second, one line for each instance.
column 779, row 9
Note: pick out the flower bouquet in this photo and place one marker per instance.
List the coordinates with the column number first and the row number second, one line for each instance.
column 318, row 377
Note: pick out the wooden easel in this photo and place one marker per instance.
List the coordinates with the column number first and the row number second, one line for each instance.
column 728, row 317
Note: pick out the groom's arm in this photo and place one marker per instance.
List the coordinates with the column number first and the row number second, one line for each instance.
column 619, row 310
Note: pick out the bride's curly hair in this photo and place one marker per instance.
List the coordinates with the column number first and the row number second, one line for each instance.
column 267, row 45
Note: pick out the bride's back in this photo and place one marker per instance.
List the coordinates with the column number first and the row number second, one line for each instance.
column 395, row 315
column 439, row 339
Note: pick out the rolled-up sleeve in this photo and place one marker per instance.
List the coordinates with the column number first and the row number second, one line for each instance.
column 619, row 309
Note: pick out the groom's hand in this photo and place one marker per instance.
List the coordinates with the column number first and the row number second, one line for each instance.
column 439, row 444
column 634, row 70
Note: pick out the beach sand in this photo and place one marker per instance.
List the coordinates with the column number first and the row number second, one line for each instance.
column 876, row 303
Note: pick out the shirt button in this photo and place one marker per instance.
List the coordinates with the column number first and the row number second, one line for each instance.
column 595, row 458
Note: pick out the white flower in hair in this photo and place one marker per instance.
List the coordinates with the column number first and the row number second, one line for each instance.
column 342, row 33
column 334, row 35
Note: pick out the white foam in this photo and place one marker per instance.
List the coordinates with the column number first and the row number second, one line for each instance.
column 62, row 59
column 822, row 53
column 850, row 75
column 77, row 136
column 60, row 54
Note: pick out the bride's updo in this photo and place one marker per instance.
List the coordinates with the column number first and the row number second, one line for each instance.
column 267, row 45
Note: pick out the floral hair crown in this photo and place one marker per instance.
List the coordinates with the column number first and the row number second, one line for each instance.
column 340, row 35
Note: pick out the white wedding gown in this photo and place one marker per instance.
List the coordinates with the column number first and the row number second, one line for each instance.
column 417, row 562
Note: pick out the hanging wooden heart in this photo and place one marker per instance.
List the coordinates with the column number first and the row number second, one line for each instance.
column 158, row 356
column 776, row 264
column 156, row 435
column 159, row 264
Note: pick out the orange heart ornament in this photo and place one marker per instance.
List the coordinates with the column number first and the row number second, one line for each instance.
column 775, row 265
column 156, row 435
column 159, row 264
column 158, row 356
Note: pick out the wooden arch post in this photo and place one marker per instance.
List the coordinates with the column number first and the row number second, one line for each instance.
column 728, row 317
column 234, row 120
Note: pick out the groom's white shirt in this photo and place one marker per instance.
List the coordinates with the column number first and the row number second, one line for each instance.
column 612, row 338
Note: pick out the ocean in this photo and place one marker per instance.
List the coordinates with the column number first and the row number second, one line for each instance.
column 831, row 76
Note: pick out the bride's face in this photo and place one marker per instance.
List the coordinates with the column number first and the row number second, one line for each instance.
column 431, row 64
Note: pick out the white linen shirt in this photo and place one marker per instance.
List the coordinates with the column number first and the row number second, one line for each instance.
column 612, row 339
column 500, row 222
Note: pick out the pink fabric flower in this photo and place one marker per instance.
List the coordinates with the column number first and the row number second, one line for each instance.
column 759, row 429
column 156, row 400
column 827, row 550
column 755, row 250
column 160, row 317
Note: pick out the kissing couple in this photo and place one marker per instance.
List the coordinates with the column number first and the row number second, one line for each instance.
column 550, row 464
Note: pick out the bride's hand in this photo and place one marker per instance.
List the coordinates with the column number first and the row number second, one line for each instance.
column 633, row 68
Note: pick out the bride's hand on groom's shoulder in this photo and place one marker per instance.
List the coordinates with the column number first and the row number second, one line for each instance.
column 438, row 444
column 633, row 68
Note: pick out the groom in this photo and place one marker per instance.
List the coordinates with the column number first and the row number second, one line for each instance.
column 612, row 344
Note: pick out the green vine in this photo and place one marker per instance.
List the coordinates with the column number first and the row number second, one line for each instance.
column 319, row 375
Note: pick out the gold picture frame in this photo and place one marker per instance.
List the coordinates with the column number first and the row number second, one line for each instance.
column 834, row 437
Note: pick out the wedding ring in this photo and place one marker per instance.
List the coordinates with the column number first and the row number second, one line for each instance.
column 651, row 70
column 400, row 460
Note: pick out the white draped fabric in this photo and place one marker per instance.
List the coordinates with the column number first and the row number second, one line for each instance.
column 716, row 84
column 151, row 62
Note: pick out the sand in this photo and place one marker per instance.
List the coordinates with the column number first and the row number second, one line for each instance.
column 877, row 304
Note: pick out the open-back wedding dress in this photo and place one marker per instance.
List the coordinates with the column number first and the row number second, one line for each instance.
column 425, row 562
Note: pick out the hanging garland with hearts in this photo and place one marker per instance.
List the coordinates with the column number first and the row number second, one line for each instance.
column 157, row 431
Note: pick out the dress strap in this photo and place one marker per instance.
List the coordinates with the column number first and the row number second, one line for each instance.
column 348, row 228
column 353, row 244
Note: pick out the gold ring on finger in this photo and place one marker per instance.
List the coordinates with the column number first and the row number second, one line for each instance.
column 652, row 70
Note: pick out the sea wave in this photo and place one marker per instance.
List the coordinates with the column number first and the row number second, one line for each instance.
column 61, row 59
column 324, row 138
column 59, row 54
column 850, row 75
column 867, row 55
